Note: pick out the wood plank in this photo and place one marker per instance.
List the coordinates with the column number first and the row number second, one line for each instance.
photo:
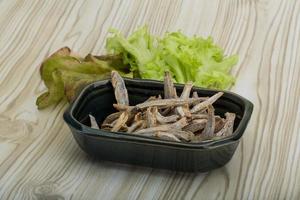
column 39, row 158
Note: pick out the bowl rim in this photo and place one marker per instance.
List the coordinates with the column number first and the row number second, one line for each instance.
column 88, row 131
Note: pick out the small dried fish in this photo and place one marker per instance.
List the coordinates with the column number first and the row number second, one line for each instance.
column 175, row 93
column 220, row 122
column 165, row 103
column 138, row 117
column 201, row 138
column 135, row 126
column 150, row 118
column 164, row 120
column 199, row 116
column 141, row 127
column 196, row 125
column 119, row 88
column 153, row 129
column 169, row 118
column 112, row 117
column 131, row 114
column 195, row 94
column 228, row 126
column 93, row 122
column 168, row 86
column 166, row 111
column 166, row 136
column 183, row 135
column 108, row 126
column 122, row 107
column 124, row 128
column 180, row 111
column 186, row 90
column 210, row 125
column 151, row 98
column 230, row 117
column 177, row 125
column 204, row 104
column 199, row 100
column 184, row 110
column 120, row 122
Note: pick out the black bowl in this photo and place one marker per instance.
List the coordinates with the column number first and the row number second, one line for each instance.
column 97, row 99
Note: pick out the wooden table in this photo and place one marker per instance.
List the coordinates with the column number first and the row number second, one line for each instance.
column 39, row 159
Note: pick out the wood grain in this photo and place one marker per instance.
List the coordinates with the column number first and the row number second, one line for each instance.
column 39, row 158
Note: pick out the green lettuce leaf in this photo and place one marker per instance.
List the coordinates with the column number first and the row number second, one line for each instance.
column 188, row 58
column 65, row 74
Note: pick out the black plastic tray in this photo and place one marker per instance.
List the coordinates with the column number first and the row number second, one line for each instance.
column 97, row 99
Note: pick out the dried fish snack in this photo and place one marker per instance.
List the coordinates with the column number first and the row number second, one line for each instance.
column 173, row 118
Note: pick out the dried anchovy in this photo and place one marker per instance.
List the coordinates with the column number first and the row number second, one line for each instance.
column 180, row 123
column 151, row 98
column 220, row 122
column 108, row 126
column 132, row 113
column 196, row 125
column 228, row 126
column 122, row 107
column 199, row 100
column 124, row 128
column 183, row 110
column 166, row 111
column 135, row 126
column 169, row 91
column 177, row 125
column 138, row 117
column 210, row 125
column 175, row 93
column 150, row 118
column 172, row 118
column 166, row 136
column 204, row 104
column 186, row 90
column 165, row 103
column 110, row 118
column 142, row 126
column 164, row 120
column 182, row 134
column 120, row 122
column 93, row 122
column 199, row 116
column 195, row 94
column 119, row 88
column 180, row 111
column 185, row 95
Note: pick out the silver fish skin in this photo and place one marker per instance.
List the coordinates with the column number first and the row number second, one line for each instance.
column 118, row 84
column 204, row 104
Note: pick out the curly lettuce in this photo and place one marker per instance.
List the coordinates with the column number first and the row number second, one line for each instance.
column 188, row 58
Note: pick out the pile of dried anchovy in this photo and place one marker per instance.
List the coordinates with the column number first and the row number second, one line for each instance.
column 184, row 118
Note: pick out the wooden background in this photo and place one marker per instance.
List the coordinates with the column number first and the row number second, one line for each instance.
column 39, row 158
